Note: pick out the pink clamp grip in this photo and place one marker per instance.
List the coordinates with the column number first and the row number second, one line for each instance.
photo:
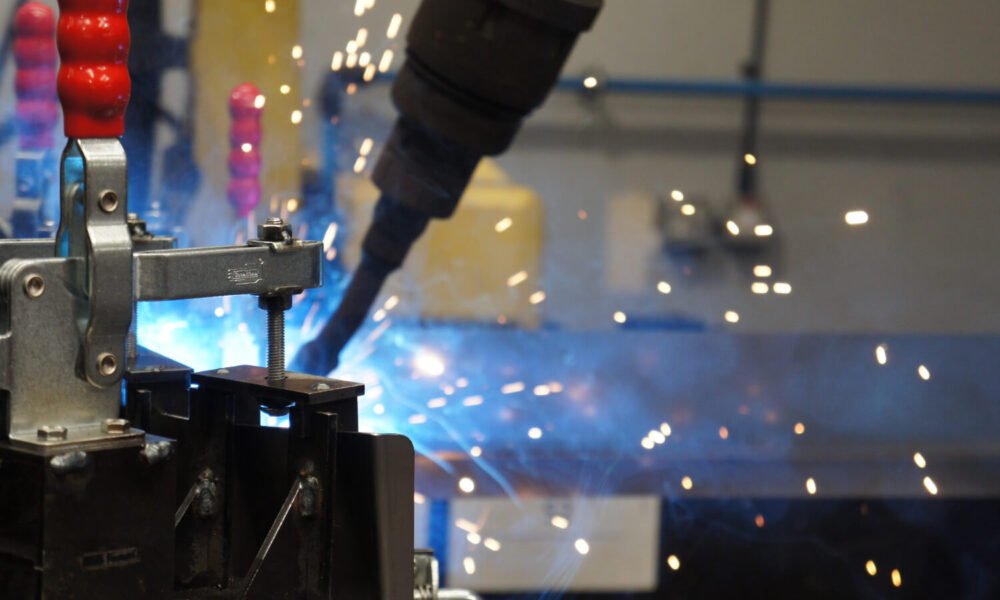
column 94, row 84
column 35, row 82
column 243, row 191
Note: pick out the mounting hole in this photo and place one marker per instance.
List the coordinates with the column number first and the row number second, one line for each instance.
column 34, row 285
column 107, row 364
column 108, row 201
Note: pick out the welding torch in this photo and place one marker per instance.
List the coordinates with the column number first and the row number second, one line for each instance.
column 474, row 70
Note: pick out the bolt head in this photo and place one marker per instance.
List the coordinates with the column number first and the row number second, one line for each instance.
column 34, row 285
column 52, row 433
column 116, row 426
column 319, row 386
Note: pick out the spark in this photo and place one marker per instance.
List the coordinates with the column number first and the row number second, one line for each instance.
column 724, row 432
column 292, row 205
column 688, row 210
column 590, row 82
column 220, row 312
column 932, row 487
column 359, row 164
column 535, row 433
column 763, row 230
column 369, row 72
column 362, row 37
column 687, row 483
column 503, row 224
column 749, row 159
column 391, row 302
column 732, row 227
column 856, row 217
column 582, row 546
column 542, row 390
column 473, row 401
column 247, row 148
column 365, row 59
column 492, row 544
column 811, row 486
column 296, row 51
column 417, row 419
column 259, row 101
column 419, row 498
column 466, row 525
column 428, row 363
column 582, row 215
column 475, row 452
column 559, row 522
column 462, row 382
column 924, row 372
column 732, row 316
column 871, row 568
column 620, row 317
column 781, row 287
column 759, row 521
column 330, row 236
column 517, row 278
column 351, row 47
column 285, row 89
column 647, row 443
column 394, row 23
column 537, row 298
column 437, row 403
column 466, row 485
column 379, row 409
column 352, row 60
column 799, row 428
column 366, row 147
column 881, row 354
column 555, row 387
column 762, row 271
column 337, row 61
column 656, row 436
column 379, row 315
column 512, row 388
column 673, row 562
column 677, row 195
column 897, row 578
column 665, row 429
column 474, row 538
column 269, row 6
column 386, row 62
column 919, row 460
column 663, row 287
column 759, row 287
column 359, row 9
column 469, row 564
column 296, row 117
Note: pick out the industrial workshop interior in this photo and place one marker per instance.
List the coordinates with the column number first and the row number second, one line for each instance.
column 499, row 299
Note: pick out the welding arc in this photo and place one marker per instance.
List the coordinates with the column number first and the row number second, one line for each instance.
column 392, row 233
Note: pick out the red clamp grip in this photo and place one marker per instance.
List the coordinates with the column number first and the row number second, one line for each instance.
column 245, row 107
column 94, row 84
column 34, row 34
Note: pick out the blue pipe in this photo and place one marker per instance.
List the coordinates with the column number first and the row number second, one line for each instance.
column 780, row 90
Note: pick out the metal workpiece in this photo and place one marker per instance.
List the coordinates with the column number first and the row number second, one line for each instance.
column 227, row 271
column 94, row 227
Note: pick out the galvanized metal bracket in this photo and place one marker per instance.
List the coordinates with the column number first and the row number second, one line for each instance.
column 94, row 226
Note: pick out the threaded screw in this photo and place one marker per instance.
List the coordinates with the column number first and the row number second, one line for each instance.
column 275, row 342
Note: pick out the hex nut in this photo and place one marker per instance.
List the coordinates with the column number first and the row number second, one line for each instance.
column 52, row 433
column 275, row 230
column 116, row 426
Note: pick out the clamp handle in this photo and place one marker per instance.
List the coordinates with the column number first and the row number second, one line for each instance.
column 245, row 107
column 34, row 32
column 94, row 84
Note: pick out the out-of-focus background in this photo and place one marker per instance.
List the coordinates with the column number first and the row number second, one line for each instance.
column 624, row 373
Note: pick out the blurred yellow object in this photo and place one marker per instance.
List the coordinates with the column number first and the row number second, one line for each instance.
column 242, row 42
column 482, row 265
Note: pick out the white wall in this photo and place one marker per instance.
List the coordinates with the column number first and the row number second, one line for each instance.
column 928, row 175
